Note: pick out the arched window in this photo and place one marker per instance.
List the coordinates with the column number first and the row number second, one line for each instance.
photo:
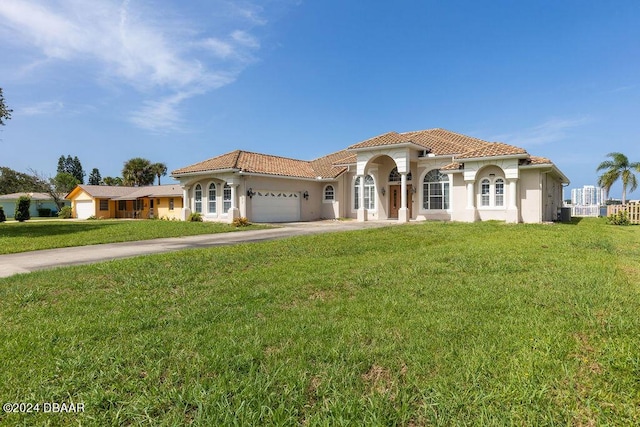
column 197, row 206
column 499, row 192
column 212, row 198
column 485, row 192
column 394, row 176
column 435, row 190
column 329, row 193
column 226, row 198
column 369, row 193
column 356, row 194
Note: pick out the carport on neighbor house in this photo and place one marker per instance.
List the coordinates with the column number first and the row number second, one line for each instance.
column 431, row 174
column 103, row 201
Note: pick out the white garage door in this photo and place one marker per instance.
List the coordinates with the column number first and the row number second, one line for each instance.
column 84, row 209
column 275, row 206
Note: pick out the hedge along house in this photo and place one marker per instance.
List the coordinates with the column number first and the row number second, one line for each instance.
column 41, row 204
column 103, row 201
column 432, row 174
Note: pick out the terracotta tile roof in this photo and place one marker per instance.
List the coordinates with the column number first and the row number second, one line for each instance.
column 536, row 160
column 452, row 166
column 389, row 138
column 438, row 141
column 254, row 163
column 224, row 161
column 332, row 165
column 493, row 150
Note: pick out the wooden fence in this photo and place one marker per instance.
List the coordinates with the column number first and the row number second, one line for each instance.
column 633, row 210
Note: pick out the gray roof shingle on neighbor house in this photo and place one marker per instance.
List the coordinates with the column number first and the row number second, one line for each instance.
column 131, row 193
column 33, row 196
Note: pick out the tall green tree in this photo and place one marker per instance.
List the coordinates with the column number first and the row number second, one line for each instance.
column 618, row 168
column 159, row 169
column 18, row 182
column 5, row 112
column 94, row 177
column 65, row 182
column 72, row 166
column 138, row 172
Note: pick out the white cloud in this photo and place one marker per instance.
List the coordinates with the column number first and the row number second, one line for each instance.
column 46, row 107
column 551, row 131
column 133, row 45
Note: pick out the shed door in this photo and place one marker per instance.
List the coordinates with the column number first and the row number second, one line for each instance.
column 275, row 206
column 84, row 209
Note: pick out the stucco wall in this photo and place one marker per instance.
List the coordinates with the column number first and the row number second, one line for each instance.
column 530, row 188
column 162, row 208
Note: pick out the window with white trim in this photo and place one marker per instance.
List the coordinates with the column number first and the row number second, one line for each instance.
column 492, row 192
column 394, row 175
column 485, row 192
column 369, row 193
column 226, row 198
column 435, row 190
column 356, row 194
column 212, row 198
column 197, row 196
column 329, row 193
column 499, row 191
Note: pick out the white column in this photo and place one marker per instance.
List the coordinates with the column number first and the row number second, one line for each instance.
column 186, row 203
column 512, row 194
column 403, row 212
column 472, row 213
column 362, row 212
column 234, row 212
column 471, row 196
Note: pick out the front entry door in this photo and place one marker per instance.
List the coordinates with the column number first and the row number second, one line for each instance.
column 395, row 200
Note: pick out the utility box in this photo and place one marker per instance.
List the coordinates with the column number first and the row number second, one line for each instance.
column 565, row 215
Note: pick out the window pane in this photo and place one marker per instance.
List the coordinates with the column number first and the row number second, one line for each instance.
column 499, row 192
column 198, row 199
column 212, row 198
column 226, row 195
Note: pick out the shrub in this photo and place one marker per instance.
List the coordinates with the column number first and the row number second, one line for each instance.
column 44, row 212
column 195, row 217
column 22, row 209
column 240, row 222
column 3, row 217
column 65, row 212
column 621, row 218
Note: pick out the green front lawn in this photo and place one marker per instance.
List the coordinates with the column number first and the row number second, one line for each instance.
column 424, row 324
column 31, row 236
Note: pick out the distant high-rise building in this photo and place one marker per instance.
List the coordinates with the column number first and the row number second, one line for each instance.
column 587, row 196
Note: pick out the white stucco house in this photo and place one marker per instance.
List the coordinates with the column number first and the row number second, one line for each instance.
column 432, row 174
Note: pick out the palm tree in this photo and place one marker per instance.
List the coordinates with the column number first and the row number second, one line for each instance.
column 137, row 172
column 619, row 168
column 159, row 169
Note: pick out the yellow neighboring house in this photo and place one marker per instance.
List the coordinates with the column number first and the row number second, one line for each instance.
column 104, row 201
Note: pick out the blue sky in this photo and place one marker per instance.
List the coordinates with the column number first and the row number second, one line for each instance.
column 179, row 82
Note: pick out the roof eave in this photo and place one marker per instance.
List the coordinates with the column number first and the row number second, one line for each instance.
column 501, row 157
column 551, row 168
column 272, row 175
column 387, row 146
column 205, row 172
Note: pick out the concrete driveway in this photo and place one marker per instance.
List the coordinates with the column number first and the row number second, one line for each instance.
column 27, row 262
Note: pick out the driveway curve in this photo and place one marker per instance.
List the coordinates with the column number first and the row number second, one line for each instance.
column 26, row 262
